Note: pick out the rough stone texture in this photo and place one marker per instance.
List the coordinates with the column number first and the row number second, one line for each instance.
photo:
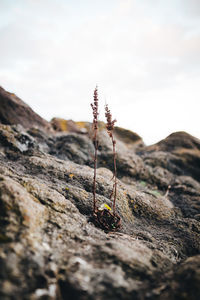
column 49, row 247
column 59, row 124
column 14, row 111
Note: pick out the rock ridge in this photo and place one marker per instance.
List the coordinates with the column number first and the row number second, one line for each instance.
column 49, row 247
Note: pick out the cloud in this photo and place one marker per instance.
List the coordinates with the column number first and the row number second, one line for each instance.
column 137, row 51
column 191, row 7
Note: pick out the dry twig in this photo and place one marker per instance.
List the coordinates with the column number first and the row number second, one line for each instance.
column 95, row 128
column 110, row 127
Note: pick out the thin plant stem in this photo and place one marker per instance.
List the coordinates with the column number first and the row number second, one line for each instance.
column 95, row 171
column 95, row 128
column 115, row 174
column 110, row 127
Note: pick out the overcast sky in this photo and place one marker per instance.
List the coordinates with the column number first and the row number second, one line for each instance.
column 144, row 55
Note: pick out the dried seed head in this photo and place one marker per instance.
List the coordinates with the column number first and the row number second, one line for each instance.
column 95, row 109
column 110, row 123
column 94, row 106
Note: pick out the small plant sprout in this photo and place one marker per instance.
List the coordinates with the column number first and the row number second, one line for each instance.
column 104, row 216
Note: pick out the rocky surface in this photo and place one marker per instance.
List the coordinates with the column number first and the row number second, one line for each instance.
column 14, row 111
column 49, row 246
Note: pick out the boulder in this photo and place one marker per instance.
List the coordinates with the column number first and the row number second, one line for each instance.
column 14, row 111
column 50, row 247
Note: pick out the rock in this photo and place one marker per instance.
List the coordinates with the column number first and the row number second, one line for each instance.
column 14, row 111
column 187, row 272
column 185, row 153
column 128, row 137
column 59, row 124
column 51, row 249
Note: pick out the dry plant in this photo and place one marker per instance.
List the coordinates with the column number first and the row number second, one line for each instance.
column 103, row 216
column 110, row 127
column 95, row 129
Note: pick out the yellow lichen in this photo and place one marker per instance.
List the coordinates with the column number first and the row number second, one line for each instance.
column 63, row 124
column 81, row 125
